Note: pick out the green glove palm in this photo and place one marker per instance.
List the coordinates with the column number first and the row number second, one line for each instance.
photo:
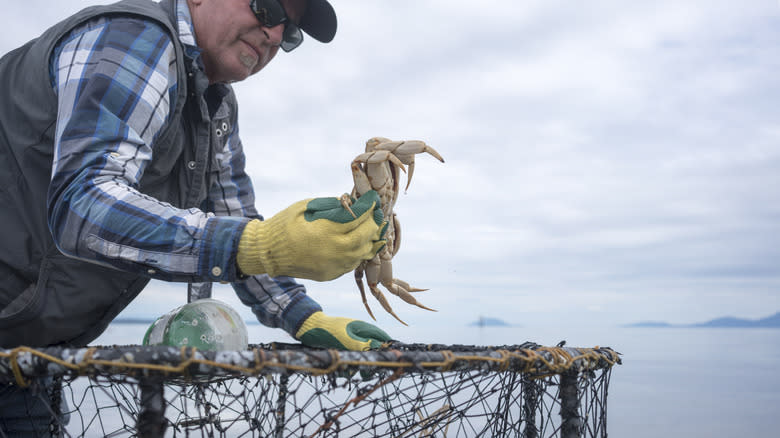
column 316, row 239
column 321, row 330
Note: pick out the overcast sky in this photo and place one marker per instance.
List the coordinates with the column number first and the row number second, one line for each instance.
column 606, row 161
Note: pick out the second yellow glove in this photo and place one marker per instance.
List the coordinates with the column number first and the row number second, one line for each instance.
column 317, row 239
column 321, row 330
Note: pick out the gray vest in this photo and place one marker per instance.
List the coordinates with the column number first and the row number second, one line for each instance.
column 47, row 298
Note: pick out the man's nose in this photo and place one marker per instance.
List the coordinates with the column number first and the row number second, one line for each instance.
column 274, row 34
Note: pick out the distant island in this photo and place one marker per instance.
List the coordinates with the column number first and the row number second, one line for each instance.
column 134, row 320
column 489, row 322
column 649, row 324
column 723, row 322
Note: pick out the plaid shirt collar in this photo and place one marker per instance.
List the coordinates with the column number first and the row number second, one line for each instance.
column 187, row 32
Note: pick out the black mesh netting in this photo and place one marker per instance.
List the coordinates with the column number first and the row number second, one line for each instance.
column 285, row 390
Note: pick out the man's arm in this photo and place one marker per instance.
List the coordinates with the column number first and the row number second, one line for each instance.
column 281, row 301
column 116, row 84
column 277, row 302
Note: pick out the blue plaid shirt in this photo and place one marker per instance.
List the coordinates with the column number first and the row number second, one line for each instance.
column 116, row 82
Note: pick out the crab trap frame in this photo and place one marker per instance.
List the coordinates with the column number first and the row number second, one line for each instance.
column 287, row 390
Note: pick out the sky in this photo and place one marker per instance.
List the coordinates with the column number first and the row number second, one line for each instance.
column 606, row 161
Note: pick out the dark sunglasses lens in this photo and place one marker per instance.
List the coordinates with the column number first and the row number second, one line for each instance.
column 292, row 37
column 269, row 12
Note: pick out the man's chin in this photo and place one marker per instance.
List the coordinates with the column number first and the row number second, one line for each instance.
column 248, row 61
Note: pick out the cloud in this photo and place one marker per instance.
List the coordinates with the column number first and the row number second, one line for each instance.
column 602, row 158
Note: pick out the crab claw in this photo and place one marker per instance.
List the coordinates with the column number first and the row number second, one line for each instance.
column 402, row 289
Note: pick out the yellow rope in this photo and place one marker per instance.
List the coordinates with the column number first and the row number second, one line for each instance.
column 562, row 360
column 17, row 372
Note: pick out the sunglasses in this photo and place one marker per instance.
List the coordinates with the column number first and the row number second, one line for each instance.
column 271, row 13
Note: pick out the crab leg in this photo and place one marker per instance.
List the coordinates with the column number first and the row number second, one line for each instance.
column 367, row 173
column 346, row 202
column 407, row 287
column 373, row 269
column 369, row 158
column 383, row 301
column 359, row 281
column 404, row 294
column 396, row 234
column 397, row 287
column 405, row 151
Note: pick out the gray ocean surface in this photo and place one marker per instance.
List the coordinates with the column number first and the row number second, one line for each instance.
column 674, row 382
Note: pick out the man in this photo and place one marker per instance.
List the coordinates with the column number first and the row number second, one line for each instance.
column 121, row 162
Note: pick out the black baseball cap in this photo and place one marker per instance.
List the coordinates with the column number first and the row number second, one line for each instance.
column 319, row 21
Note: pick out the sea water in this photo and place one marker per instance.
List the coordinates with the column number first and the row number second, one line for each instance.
column 674, row 382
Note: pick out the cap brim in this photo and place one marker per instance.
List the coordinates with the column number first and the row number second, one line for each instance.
column 319, row 21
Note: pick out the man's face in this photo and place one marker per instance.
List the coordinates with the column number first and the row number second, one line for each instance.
column 235, row 45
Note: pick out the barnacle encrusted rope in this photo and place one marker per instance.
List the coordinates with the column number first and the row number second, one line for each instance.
column 290, row 390
column 544, row 360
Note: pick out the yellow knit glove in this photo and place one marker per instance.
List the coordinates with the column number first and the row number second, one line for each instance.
column 316, row 239
column 321, row 330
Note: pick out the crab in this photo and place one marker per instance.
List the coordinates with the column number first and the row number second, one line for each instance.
column 379, row 168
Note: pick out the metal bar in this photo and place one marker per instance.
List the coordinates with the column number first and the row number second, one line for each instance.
column 197, row 291
column 571, row 422
column 281, row 402
column 151, row 418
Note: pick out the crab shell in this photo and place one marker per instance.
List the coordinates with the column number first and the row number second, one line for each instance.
column 379, row 169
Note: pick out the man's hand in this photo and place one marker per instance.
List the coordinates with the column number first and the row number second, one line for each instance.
column 321, row 330
column 316, row 239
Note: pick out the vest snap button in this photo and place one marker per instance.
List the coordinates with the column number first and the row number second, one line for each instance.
column 191, row 165
column 216, row 271
column 224, row 126
column 219, row 132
